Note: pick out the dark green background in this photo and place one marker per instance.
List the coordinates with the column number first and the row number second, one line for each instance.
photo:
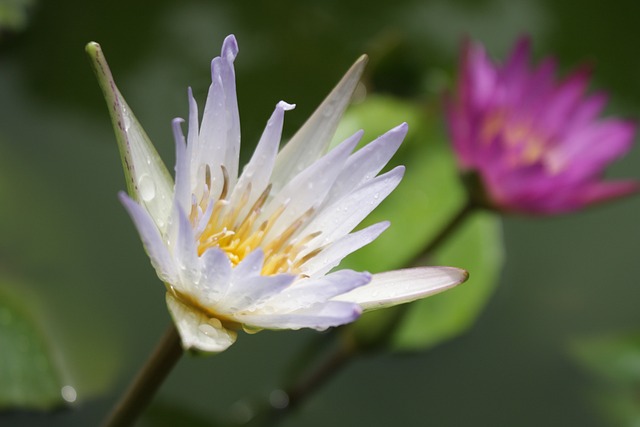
column 70, row 245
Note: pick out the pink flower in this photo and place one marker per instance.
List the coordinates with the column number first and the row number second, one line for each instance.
column 535, row 145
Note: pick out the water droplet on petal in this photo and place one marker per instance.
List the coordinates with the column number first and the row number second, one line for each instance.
column 147, row 188
column 69, row 394
column 208, row 330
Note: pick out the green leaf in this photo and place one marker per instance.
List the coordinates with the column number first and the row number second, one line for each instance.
column 477, row 247
column 615, row 361
column 56, row 264
column 14, row 15
column 613, row 358
column 28, row 372
column 429, row 197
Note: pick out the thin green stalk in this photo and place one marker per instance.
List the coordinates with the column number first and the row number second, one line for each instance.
column 148, row 380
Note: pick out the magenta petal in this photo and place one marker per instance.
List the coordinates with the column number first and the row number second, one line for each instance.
column 536, row 144
column 599, row 192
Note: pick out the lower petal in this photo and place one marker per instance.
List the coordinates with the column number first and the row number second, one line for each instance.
column 401, row 286
column 197, row 331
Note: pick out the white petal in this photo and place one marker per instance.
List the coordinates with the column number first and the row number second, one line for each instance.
column 332, row 255
column 212, row 140
column 309, row 187
column 258, row 171
column 182, row 192
column 337, row 220
column 185, row 252
column 250, row 266
column 216, row 276
column 227, row 74
column 246, row 294
column 314, row 137
column 192, row 141
column 308, row 292
column 152, row 240
column 365, row 164
column 148, row 180
column 319, row 316
column 400, row 286
column 197, row 331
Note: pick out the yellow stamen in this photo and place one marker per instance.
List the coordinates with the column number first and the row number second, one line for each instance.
column 238, row 234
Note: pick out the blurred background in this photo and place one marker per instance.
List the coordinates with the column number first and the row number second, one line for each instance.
column 72, row 266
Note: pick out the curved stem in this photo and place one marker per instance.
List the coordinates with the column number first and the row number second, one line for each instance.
column 148, row 380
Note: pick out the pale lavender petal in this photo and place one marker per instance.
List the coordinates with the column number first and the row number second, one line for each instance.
column 309, row 187
column 185, row 251
column 182, row 192
column 401, row 286
column 216, row 276
column 212, row 141
column 343, row 216
column 364, row 165
column 250, row 266
column 253, row 290
column 319, row 317
column 228, row 77
column 313, row 138
column 308, row 292
column 192, row 138
column 257, row 172
column 151, row 239
column 335, row 252
column 197, row 331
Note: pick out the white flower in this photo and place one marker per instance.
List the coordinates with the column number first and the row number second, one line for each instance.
column 256, row 251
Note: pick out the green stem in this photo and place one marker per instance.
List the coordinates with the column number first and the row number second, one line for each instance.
column 148, row 380
column 347, row 350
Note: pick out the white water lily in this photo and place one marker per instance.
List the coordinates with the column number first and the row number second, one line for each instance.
column 256, row 251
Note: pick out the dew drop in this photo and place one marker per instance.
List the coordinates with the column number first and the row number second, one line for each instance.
column 208, row 330
column 251, row 329
column 126, row 119
column 147, row 188
column 241, row 412
column 69, row 394
column 279, row 399
column 216, row 323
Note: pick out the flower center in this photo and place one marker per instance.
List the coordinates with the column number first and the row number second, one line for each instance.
column 526, row 145
column 238, row 231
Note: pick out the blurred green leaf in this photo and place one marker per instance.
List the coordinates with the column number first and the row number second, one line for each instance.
column 40, row 244
column 14, row 15
column 28, row 374
column 476, row 247
column 613, row 358
column 430, row 195
column 615, row 361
